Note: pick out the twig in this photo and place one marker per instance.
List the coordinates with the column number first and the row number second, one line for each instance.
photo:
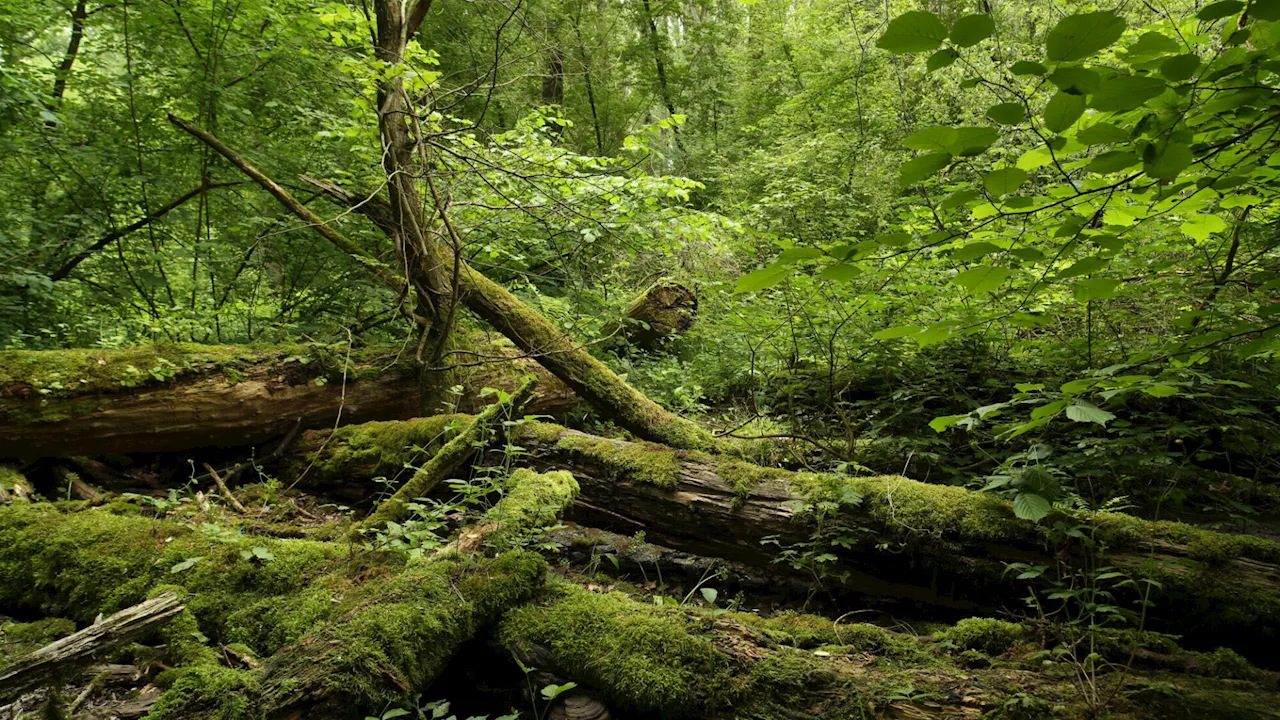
column 222, row 488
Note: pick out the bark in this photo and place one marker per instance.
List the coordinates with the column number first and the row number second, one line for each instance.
column 897, row 542
column 83, row 402
column 52, row 662
column 660, row 313
column 78, row 15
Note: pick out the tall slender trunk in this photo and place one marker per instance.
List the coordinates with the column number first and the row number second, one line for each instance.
column 78, row 16
column 664, row 88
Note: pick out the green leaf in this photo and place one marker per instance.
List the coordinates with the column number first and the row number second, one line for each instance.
column 263, row 554
column 952, row 140
column 1101, row 134
column 1125, row 92
column 913, row 32
column 1004, row 181
column 1086, row 412
column 1075, row 387
column 840, row 272
column 973, row 251
column 982, row 279
column 1009, row 113
column 1151, row 44
column 1083, row 267
column 1201, row 227
column 942, row 423
column 1030, row 506
column 1076, row 80
column 925, row 166
column 710, row 595
column 1048, row 410
column 941, row 59
column 1268, row 10
column 896, row 332
column 1026, row 67
column 1062, row 111
column 1180, row 67
column 185, row 564
column 1169, row 161
column 1095, row 289
column 1219, row 10
column 1113, row 161
column 791, row 256
column 764, row 277
column 972, row 29
column 1077, row 37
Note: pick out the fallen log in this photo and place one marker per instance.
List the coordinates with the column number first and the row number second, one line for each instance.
column 884, row 538
column 53, row 661
column 178, row 397
column 337, row 630
column 651, row 661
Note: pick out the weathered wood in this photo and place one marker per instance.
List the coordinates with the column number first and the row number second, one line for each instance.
column 662, row 311
column 84, row 402
column 56, row 659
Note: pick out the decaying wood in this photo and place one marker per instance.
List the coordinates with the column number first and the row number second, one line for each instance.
column 911, row 544
column 217, row 397
column 56, row 659
column 447, row 460
column 74, row 485
column 662, row 311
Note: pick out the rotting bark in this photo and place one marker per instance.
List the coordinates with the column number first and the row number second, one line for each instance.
column 176, row 397
column 53, row 661
column 924, row 545
column 661, row 312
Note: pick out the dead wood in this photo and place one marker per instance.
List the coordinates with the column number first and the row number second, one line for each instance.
column 56, row 659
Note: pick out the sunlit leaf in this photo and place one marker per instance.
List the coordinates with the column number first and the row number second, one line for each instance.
column 972, row 29
column 912, row 32
column 1077, row 37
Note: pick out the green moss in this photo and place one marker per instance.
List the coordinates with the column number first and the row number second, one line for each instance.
column 745, row 477
column 542, row 431
column 1227, row 663
column 206, row 692
column 656, row 660
column 630, row 462
column 380, row 449
column 19, row 639
column 534, row 501
column 10, row 477
column 988, row 635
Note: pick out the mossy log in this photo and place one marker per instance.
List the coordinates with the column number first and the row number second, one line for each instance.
column 337, row 630
column 892, row 539
column 178, row 397
column 649, row 661
column 663, row 311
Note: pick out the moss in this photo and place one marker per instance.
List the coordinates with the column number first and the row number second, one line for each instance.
column 206, row 692
column 1227, row 663
column 656, row 660
column 542, row 431
column 988, row 635
column 379, row 449
column 744, row 477
column 19, row 639
column 10, row 477
column 630, row 462
column 534, row 501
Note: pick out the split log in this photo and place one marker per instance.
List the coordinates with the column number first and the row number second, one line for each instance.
column 661, row 312
column 178, row 397
column 52, row 662
column 893, row 539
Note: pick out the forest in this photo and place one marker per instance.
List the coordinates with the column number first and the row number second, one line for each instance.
column 632, row 359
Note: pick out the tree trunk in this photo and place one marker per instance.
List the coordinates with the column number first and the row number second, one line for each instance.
column 892, row 540
column 179, row 397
